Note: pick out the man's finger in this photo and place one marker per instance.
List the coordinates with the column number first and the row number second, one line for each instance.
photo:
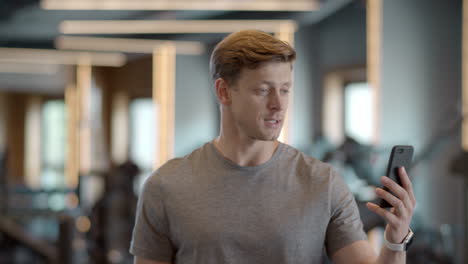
column 387, row 215
column 406, row 182
column 397, row 190
column 392, row 200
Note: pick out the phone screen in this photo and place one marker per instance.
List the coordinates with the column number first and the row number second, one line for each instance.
column 400, row 156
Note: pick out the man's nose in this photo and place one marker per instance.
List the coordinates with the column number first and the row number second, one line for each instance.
column 275, row 102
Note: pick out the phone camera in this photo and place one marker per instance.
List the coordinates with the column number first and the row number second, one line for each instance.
column 400, row 151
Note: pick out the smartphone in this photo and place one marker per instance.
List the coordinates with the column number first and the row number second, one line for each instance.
column 401, row 156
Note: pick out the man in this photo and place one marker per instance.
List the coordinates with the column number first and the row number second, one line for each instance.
column 247, row 198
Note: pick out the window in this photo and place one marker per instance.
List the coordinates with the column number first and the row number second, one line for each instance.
column 142, row 137
column 53, row 140
column 358, row 122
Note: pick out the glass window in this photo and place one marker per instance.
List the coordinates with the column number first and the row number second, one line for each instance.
column 142, row 137
column 53, row 144
column 358, row 112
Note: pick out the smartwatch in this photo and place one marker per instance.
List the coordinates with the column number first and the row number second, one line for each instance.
column 403, row 246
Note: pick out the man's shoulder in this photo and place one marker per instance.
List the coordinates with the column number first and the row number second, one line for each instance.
column 308, row 167
column 303, row 159
column 185, row 162
column 178, row 167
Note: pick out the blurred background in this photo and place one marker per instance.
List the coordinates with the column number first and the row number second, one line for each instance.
column 95, row 95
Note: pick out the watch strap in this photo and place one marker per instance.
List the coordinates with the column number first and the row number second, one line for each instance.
column 403, row 246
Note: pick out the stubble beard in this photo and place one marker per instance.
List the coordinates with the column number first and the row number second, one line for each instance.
column 265, row 137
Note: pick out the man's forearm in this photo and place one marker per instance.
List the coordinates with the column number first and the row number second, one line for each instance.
column 388, row 256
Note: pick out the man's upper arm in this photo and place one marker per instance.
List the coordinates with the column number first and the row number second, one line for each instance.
column 147, row 261
column 151, row 234
column 345, row 226
column 358, row 252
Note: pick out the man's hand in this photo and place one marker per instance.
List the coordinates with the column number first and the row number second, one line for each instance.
column 399, row 217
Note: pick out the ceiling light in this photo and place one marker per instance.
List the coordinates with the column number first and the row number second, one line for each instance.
column 50, row 56
column 125, row 45
column 233, row 5
column 11, row 67
column 169, row 26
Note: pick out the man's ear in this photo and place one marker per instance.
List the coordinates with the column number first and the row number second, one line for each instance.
column 223, row 91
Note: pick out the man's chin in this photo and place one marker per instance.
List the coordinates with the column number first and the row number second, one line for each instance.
column 265, row 136
column 269, row 138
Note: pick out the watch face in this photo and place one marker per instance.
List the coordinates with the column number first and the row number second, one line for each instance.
column 410, row 240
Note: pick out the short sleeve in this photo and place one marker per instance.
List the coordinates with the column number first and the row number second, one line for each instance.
column 151, row 238
column 345, row 226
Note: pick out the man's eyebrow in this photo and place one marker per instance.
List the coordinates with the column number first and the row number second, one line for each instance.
column 272, row 83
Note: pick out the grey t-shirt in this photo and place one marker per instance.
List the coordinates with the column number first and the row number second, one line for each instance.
column 203, row 208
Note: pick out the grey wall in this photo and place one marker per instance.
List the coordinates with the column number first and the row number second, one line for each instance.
column 421, row 85
column 342, row 44
column 305, row 83
column 196, row 117
column 337, row 42
column 343, row 38
column 44, row 84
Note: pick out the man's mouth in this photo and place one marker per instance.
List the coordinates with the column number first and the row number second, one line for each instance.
column 272, row 121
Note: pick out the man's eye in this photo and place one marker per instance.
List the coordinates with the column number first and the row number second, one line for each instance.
column 284, row 91
column 262, row 91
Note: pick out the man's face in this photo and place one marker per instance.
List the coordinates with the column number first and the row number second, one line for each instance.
column 259, row 100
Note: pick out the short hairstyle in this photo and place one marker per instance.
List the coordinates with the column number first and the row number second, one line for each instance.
column 247, row 48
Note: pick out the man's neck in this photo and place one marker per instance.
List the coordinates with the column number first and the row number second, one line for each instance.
column 246, row 152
